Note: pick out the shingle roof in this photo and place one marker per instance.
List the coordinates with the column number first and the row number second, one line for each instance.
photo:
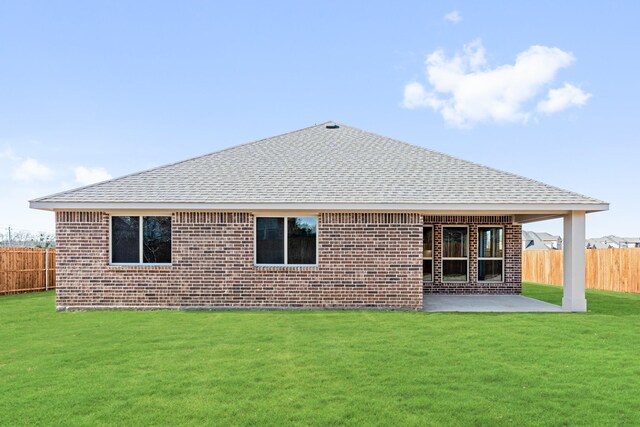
column 546, row 236
column 322, row 165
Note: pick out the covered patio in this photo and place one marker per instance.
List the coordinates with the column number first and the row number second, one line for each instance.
column 487, row 304
column 573, row 300
column 573, row 246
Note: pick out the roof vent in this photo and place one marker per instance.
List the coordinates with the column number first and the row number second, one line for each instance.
column 332, row 126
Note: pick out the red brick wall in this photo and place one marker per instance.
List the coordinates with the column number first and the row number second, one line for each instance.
column 512, row 259
column 364, row 260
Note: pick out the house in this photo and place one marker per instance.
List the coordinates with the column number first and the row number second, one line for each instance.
column 612, row 241
column 551, row 241
column 597, row 244
column 540, row 241
column 628, row 242
column 326, row 216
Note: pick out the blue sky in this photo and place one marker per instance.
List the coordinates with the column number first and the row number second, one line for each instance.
column 546, row 89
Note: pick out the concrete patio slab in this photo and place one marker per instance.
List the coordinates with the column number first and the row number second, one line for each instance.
column 487, row 304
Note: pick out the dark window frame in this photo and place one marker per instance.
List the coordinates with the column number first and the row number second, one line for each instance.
column 501, row 259
column 140, row 241
column 443, row 259
column 431, row 258
column 286, row 241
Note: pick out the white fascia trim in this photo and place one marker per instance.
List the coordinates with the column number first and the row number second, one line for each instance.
column 528, row 218
column 350, row 207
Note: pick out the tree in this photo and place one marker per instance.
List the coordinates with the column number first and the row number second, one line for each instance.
column 26, row 239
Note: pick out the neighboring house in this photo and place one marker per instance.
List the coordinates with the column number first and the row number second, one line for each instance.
column 631, row 242
column 326, row 216
column 540, row 241
column 597, row 244
column 613, row 242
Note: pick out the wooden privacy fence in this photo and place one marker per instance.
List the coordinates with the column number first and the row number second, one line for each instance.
column 34, row 269
column 606, row 269
column 27, row 270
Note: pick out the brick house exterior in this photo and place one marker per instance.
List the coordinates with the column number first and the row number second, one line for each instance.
column 365, row 261
column 369, row 210
column 512, row 283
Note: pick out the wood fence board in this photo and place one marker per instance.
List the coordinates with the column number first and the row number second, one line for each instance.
column 24, row 270
column 605, row 269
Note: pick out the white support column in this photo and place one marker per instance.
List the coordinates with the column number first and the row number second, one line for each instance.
column 574, row 268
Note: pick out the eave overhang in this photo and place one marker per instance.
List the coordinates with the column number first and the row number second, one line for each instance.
column 526, row 212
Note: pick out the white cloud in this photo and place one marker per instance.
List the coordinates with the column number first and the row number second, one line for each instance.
column 86, row 176
column 465, row 90
column 562, row 98
column 7, row 153
column 453, row 16
column 416, row 96
column 32, row 170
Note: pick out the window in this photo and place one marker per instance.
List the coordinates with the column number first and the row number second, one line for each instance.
column 455, row 254
column 286, row 240
column 490, row 254
column 427, row 254
column 270, row 240
column 133, row 244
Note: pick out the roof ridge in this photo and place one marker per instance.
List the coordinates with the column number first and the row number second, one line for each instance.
column 244, row 144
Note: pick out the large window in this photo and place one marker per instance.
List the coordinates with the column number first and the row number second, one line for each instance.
column 455, row 254
column 286, row 240
column 427, row 254
column 132, row 243
column 490, row 254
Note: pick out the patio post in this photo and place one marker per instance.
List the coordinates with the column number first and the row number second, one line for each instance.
column 574, row 268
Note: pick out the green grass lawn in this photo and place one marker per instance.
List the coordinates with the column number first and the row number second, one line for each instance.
column 320, row 367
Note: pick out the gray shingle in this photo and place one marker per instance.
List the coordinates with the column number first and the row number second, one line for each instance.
column 320, row 165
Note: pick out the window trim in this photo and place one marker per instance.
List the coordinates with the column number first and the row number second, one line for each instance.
column 141, row 262
column 479, row 258
column 443, row 258
column 285, row 264
column 433, row 244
